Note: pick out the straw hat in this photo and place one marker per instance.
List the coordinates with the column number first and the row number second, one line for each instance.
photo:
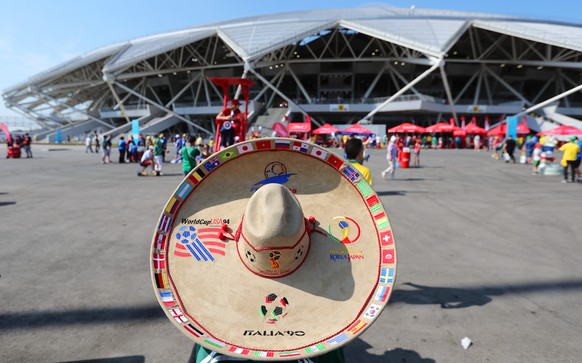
column 273, row 249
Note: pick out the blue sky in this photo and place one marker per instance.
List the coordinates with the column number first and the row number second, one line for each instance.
column 38, row 34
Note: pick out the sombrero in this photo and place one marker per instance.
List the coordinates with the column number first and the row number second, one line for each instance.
column 273, row 249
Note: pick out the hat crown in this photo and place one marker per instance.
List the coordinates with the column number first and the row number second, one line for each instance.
column 273, row 218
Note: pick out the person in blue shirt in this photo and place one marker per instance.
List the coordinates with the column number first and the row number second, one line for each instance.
column 122, row 146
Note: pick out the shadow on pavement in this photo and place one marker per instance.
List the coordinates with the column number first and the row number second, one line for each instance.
column 3, row 204
column 356, row 351
column 128, row 359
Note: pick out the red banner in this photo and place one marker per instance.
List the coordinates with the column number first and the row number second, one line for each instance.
column 280, row 129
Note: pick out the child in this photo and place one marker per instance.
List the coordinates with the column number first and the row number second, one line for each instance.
column 416, row 160
column 536, row 157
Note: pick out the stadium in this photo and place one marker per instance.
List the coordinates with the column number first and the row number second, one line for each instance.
column 376, row 65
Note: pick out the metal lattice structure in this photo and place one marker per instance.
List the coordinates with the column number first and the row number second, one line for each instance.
column 374, row 63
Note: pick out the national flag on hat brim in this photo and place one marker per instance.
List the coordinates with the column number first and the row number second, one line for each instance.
column 364, row 187
column 172, row 205
column 178, row 315
column 372, row 311
column 263, row 144
column 289, row 354
column 194, row 178
column 240, row 351
column 357, row 326
column 385, row 277
column 386, row 238
column 161, row 280
column 382, row 293
column 211, row 163
column 159, row 261
column 335, row 161
column 300, row 146
column 227, row 155
column 374, row 203
column 337, row 339
column 214, row 342
column 315, row 348
column 387, row 256
column 165, row 223
column 282, row 144
column 263, row 354
column 351, row 173
column 160, row 241
column 245, row 148
column 193, row 330
column 320, row 153
column 167, row 298
column 184, row 191
column 381, row 221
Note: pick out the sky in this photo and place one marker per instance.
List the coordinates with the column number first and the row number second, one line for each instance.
column 36, row 35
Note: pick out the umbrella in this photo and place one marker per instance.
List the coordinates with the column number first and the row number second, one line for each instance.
column 325, row 130
column 440, row 127
column 406, row 127
column 562, row 130
column 357, row 129
column 474, row 129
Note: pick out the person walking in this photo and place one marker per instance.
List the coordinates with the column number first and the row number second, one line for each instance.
column 570, row 152
column 509, row 148
column 391, row 156
column 122, row 147
column 88, row 147
column 106, row 155
column 26, row 141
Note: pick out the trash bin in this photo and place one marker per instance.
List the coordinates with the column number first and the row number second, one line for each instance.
column 404, row 158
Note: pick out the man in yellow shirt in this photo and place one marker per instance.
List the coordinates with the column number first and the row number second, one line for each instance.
column 355, row 155
column 570, row 151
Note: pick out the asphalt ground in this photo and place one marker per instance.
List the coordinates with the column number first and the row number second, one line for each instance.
column 485, row 251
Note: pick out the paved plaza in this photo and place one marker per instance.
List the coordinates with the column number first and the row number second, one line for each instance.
column 485, row 251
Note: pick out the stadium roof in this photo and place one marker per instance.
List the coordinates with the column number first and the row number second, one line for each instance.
column 431, row 32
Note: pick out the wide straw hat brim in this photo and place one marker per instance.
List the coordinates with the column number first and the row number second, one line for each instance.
column 336, row 293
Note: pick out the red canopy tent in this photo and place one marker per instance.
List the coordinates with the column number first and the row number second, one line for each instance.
column 298, row 127
column 561, row 130
column 474, row 129
column 406, row 127
column 357, row 129
column 501, row 130
column 325, row 130
column 440, row 127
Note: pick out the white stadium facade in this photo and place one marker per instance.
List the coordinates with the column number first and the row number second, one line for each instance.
column 371, row 64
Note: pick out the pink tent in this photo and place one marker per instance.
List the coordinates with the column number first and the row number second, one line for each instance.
column 501, row 130
column 357, row 129
column 474, row 129
column 562, row 130
column 325, row 130
column 440, row 127
column 406, row 127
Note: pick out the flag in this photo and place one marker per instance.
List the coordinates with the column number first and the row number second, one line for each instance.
column 372, row 311
column 178, row 315
column 486, row 123
column 374, row 203
column 165, row 223
column 159, row 261
column 315, row 348
column 193, row 330
column 364, row 187
column 357, row 326
column 195, row 178
column 263, row 144
column 263, row 354
column 300, row 146
column 160, row 241
column 337, row 339
column 282, row 144
column 289, row 354
column 161, row 280
column 184, row 191
column 239, row 350
column 214, row 342
column 227, row 155
column 335, row 161
column 386, row 238
column 172, row 205
column 386, row 275
column 245, row 148
column 320, row 153
column 382, row 221
column 387, row 256
column 211, row 163
column 351, row 173
column 452, row 121
column 382, row 293
column 463, row 122
column 167, row 298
